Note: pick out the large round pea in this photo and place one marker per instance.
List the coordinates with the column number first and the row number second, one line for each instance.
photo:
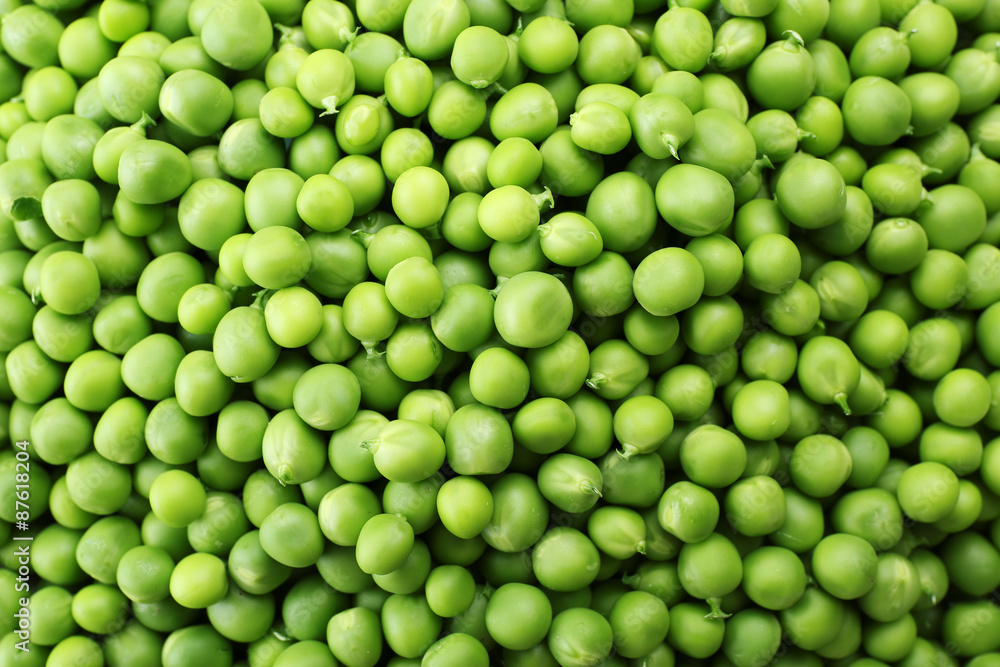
column 520, row 514
column 196, row 101
column 153, row 172
column 928, row 491
column 683, row 38
column 199, row 581
column 407, row 451
column 783, row 75
column 693, row 630
column 668, row 281
column 237, row 33
column 876, row 111
column 518, row 615
column 384, row 543
column 844, row 565
column 751, row 635
column 479, row 56
column 720, row 142
column 815, row 619
column 694, row 200
column 772, row 263
column 243, row 349
column 291, row 535
column 129, row 87
column 570, row 482
column 528, row 111
column 640, row 622
column 69, row 283
column 713, row 457
column 580, row 636
column 755, row 506
column 409, row 626
column 774, row 577
column 820, row 464
column 355, row 637
column 532, row 310
column 464, row 506
column 688, row 511
column 811, row 193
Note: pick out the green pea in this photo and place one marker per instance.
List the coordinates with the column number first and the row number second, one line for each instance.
column 775, row 134
column 187, row 90
column 355, row 637
column 928, row 491
column 566, row 168
column 580, row 636
column 751, row 635
column 845, row 565
column 695, row 633
column 968, row 558
column 807, row 20
column 934, row 98
column 828, row 370
column 803, row 525
column 721, row 143
column 833, row 74
column 22, row 185
column 755, row 506
column 774, row 577
column 570, row 482
column 933, row 347
column 683, row 38
column 864, row 95
column 31, row 36
column 712, row 456
column 737, row 42
column 946, row 201
column 688, row 511
column 783, row 75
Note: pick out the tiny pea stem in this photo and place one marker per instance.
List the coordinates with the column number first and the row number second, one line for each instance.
column 716, row 606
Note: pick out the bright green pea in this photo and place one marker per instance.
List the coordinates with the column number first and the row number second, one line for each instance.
column 783, row 75
column 412, row 352
column 820, row 464
column 668, row 281
column 520, row 305
column 712, row 456
column 683, row 38
column 571, row 483
column 285, row 113
column 845, row 565
column 243, row 349
column 420, row 197
column 326, row 79
column 188, row 53
column 199, row 581
column 355, row 637
column 934, row 98
column 246, row 148
column 868, row 93
column 751, row 635
column 30, row 36
column 465, row 506
column 237, row 34
column 933, row 348
column 196, row 101
column 928, row 491
column 153, row 172
column 721, row 143
column 688, row 511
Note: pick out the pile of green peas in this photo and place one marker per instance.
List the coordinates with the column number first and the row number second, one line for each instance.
column 537, row 333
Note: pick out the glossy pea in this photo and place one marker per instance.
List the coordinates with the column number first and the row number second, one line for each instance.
column 683, row 38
